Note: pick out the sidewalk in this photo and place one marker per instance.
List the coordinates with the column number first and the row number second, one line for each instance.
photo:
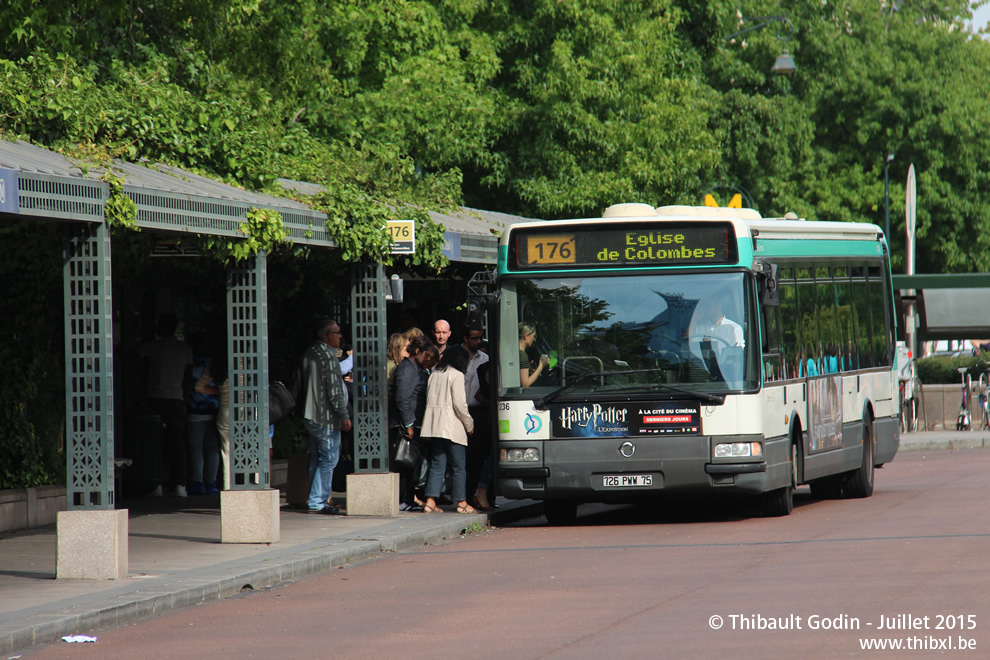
column 176, row 559
column 926, row 440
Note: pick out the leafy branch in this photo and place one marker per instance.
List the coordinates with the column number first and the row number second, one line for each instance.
column 264, row 230
column 120, row 210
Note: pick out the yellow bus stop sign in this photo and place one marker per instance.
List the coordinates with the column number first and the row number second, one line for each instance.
column 403, row 233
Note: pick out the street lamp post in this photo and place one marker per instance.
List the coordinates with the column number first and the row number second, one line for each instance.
column 886, row 195
column 784, row 63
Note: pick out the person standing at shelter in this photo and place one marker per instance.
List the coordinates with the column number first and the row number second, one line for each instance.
column 481, row 441
column 409, row 405
column 324, row 413
column 447, row 424
column 170, row 363
column 201, row 421
column 441, row 335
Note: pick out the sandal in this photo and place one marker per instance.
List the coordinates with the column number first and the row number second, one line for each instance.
column 467, row 508
column 481, row 507
column 432, row 509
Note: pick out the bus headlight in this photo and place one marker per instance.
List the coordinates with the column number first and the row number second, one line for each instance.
column 517, row 455
column 738, row 450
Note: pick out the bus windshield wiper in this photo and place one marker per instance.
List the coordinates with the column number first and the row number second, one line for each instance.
column 543, row 402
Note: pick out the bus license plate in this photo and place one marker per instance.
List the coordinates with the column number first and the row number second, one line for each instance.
column 627, row 480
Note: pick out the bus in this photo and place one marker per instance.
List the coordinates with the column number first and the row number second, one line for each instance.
column 692, row 351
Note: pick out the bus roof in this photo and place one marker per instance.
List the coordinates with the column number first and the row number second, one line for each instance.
column 745, row 221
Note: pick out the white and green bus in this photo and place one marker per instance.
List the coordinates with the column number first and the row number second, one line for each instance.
column 692, row 350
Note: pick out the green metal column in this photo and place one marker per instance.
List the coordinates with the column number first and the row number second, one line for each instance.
column 89, row 448
column 369, row 388
column 247, row 351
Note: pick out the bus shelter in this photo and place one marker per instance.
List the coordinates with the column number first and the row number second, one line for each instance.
column 37, row 184
column 948, row 306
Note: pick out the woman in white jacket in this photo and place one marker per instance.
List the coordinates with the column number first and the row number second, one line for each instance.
column 447, row 423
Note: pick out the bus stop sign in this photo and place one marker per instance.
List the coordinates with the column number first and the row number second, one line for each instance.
column 403, row 233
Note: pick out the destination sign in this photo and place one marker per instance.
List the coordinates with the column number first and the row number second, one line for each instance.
column 660, row 244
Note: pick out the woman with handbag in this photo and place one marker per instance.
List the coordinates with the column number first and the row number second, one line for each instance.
column 447, row 423
column 410, row 404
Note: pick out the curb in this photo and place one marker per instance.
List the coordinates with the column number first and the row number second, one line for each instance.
column 954, row 443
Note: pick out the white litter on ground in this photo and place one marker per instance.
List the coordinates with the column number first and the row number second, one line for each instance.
column 78, row 638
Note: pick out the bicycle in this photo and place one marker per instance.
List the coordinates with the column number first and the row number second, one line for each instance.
column 909, row 386
column 963, row 419
column 910, row 405
column 984, row 397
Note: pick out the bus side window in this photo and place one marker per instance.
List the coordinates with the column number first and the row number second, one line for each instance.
column 825, row 295
column 773, row 354
column 789, row 322
column 861, row 316
column 843, row 316
column 807, row 320
column 881, row 336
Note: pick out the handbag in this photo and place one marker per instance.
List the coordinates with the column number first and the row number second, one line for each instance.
column 407, row 452
column 280, row 401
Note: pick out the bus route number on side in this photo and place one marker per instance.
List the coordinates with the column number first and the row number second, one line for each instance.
column 545, row 249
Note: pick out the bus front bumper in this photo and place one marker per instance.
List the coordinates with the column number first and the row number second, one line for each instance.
column 591, row 470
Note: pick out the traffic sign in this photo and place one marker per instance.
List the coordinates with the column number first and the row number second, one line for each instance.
column 910, row 216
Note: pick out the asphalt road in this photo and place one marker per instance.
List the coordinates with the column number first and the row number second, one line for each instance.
column 673, row 580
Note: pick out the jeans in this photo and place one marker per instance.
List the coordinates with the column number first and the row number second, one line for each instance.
column 204, row 439
column 324, row 451
column 442, row 450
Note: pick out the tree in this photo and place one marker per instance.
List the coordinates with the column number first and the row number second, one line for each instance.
column 603, row 105
column 872, row 80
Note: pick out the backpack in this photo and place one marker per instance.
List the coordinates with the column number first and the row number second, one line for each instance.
column 282, row 398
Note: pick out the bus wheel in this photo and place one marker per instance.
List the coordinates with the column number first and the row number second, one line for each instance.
column 780, row 502
column 860, row 483
column 560, row 512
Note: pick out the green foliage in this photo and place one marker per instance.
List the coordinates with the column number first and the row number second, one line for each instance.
column 120, row 210
column 547, row 109
column 32, row 396
column 870, row 81
column 264, row 232
column 944, row 371
column 604, row 106
column 543, row 108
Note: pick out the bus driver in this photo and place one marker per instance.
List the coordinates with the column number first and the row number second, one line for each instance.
column 722, row 340
column 714, row 324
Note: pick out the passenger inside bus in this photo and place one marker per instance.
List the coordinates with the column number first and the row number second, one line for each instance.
column 529, row 370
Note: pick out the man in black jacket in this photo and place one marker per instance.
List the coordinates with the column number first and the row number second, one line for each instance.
column 324, row 413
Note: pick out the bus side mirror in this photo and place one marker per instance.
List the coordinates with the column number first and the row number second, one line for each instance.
column 766, row 276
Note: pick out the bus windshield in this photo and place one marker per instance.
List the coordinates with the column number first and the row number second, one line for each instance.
column 629, row 334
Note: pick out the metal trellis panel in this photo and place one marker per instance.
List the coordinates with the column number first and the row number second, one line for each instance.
column 64, row 197
column 88, row 367
column 247, row 314
column 369, row 386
